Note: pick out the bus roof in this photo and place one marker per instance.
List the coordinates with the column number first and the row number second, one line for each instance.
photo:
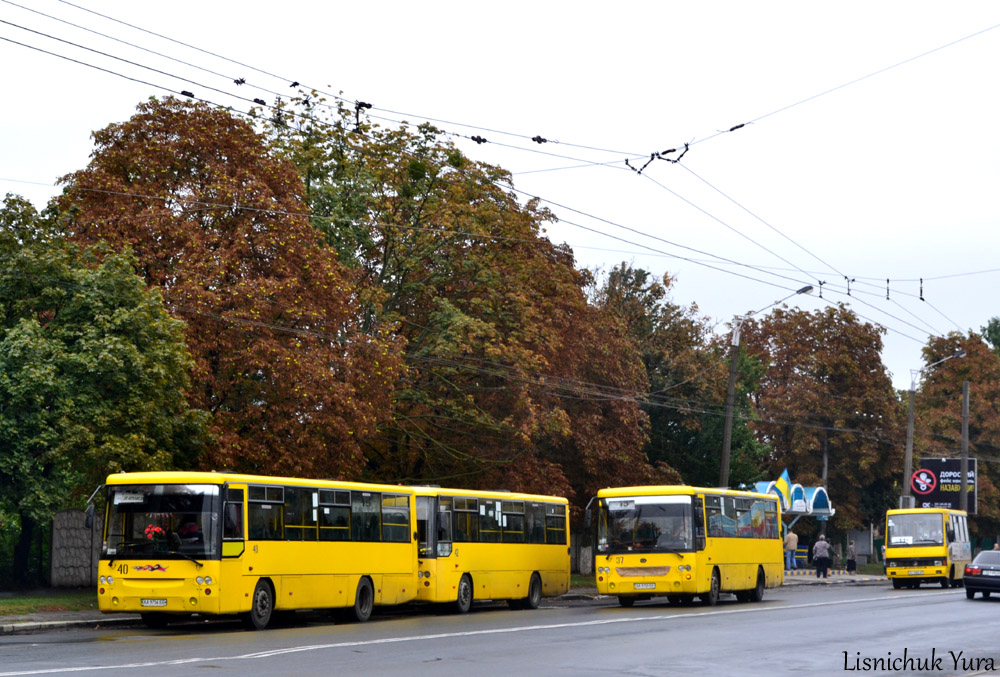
column 674, row 490
column 197, row 477
column 502, row 495
column 919, row 511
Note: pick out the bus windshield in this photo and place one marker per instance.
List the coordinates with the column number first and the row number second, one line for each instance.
column 915, row 530
column 162, row 520
column 647, row 523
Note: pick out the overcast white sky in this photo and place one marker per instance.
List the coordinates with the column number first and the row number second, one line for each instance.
column 870, row 151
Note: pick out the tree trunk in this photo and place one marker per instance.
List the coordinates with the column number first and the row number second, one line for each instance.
column 22, row 552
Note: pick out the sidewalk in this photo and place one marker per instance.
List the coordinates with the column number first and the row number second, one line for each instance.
column 836, row 577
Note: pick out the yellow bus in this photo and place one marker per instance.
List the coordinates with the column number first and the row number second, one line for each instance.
column 182, row 543
column 926, row 545
column 684, row 542
column 490, row 545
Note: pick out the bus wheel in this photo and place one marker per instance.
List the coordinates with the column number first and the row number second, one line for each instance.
column 757, row 594
column 464, row 601
column 155, row 620
column 534, row 592
column 261, row 607
column 364, row 600
column 711, row 598
column 897, row 584
column 627, row 602
column 946, row 581
column 743, row 595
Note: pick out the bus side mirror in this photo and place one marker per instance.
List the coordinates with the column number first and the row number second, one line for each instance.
column 88, row 521
column 951, row 534
column 588, row 518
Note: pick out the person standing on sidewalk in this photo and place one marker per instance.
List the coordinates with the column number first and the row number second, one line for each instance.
column 852, row 558
column 821, row 556
column 791, row 545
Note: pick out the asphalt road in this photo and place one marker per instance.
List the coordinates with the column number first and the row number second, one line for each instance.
column 815, row 630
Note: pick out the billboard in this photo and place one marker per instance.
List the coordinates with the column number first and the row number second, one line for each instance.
column 938, row 482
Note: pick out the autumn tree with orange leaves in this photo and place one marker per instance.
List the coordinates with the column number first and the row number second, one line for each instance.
column 938, row 415
column 826, row 399
column 291, row 376
column 512, row 379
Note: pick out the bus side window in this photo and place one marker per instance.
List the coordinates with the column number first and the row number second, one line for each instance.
column 699, row 524
column 232, row 521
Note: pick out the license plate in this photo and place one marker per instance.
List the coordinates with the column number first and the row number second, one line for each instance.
column 990, row 572
column 645, row 586
column 154, row 602
column 916, row 572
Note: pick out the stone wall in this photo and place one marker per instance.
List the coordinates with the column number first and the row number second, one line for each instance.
column 75, row 550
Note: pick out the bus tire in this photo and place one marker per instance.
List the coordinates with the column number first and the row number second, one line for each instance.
column 534, row 592
column 897, row 584
column 757, row 594
column 261, row 606
column 627, row 602
column 464, row 600
column 364, row 600
column 743, row 595
column 711, row 598
column 156, row 620
column 946, row 581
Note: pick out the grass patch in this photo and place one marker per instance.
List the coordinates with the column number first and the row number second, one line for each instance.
column 580, row 581
column 19, row 604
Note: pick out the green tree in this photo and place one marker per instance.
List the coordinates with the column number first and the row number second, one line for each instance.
column 287, row 366
column 826, row 398
column 687, row 378
column 93, row 373
column 991, row 333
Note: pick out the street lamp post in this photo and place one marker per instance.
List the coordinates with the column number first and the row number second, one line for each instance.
column 907, row 500
column 734, row 356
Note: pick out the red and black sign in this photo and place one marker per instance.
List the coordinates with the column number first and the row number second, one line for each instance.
column 924, row 482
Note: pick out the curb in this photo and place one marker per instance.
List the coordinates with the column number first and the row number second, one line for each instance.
column 26, row 627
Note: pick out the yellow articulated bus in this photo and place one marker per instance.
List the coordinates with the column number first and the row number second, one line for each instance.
column 491, row 545
column 182, row 543
column 684, row 542
column 926, row 545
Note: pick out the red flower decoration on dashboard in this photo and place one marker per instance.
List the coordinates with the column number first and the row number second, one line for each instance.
column 154, row 532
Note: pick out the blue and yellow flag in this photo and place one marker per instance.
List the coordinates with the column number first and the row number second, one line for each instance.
column 784, row 487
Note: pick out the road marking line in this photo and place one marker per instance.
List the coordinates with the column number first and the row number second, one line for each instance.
column 468, row 633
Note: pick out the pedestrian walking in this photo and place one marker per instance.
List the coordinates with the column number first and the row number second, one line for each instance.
column 791, row 545
column 852, row 558
column 821, row 556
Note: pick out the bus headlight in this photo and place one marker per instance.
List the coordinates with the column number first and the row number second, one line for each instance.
column 199, row 580
column 111, row 580
column 104, row 579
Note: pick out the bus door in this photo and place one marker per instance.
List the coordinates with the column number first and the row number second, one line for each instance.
column 232, row 567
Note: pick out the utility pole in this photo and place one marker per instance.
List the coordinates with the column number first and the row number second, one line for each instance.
column 963, row 467
column 906, row 500
column 727, row 433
